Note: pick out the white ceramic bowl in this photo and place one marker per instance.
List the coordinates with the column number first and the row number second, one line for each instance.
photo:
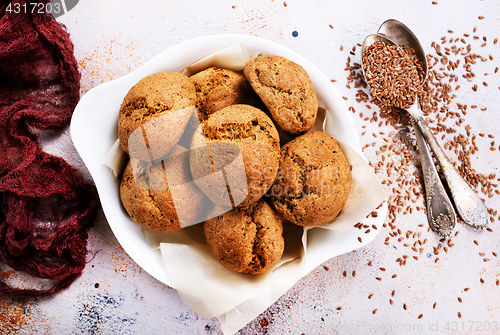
column 94, row 130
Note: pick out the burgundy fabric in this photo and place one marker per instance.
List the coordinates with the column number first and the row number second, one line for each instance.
column 47, row 208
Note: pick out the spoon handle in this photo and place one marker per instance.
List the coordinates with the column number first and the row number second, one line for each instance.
column 440, row 213
column 467, row 203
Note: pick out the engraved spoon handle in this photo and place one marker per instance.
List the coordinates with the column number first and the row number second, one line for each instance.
column 467, row 203
column 440, row 213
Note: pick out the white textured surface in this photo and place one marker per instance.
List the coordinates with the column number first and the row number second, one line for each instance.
column 114, row 37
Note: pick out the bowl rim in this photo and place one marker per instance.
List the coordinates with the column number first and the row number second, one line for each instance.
column 93, row 146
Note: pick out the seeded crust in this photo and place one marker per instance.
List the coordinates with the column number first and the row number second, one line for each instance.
column 148, row 200
column 217, row 88
column 163, row 97
column 314, row 180
column 254, row 133
column 247, row 239
column 286, row 90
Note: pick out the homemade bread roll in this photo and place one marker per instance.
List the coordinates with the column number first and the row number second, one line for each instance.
column 313, row 181
column 154, row 114
column 247, row 239
column 286, row 90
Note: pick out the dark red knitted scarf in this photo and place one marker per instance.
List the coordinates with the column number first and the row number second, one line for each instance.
column 47, row 208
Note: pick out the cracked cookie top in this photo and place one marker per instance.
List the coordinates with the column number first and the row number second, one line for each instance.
column 146, row 192
column 247, row 239
column 235, row 132
column 286, row 90
column 154, row 114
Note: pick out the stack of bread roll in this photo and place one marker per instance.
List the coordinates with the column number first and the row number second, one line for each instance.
column 233, row 151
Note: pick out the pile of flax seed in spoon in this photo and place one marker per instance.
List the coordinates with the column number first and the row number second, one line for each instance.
column 394, row 73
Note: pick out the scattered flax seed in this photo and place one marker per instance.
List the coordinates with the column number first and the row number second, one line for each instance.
column 480, row 17
column 434, row 3
column 459, row 315
column 344, row 273
column 285, row 4
column 437, row 259
column 393, row 293
column 459, row 299
column 498, row 282
column 476, row 242
column 339, row 308
column 370, row 263
column 391, row 302
column 382, row 269
column 330, row 26
column 360, row 239
column 370, row 296
column 495, row 41
column 326, row 268
column 434, row 306
column 374, row 311
column 394, row 275
column 466, row 289
column 378, row 278
column 354, row 273
column 404, row 307
column 420, row 316
column 481, row 280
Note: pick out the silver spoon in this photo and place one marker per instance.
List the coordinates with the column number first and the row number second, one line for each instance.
column 440, row 212
column 467, row 203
